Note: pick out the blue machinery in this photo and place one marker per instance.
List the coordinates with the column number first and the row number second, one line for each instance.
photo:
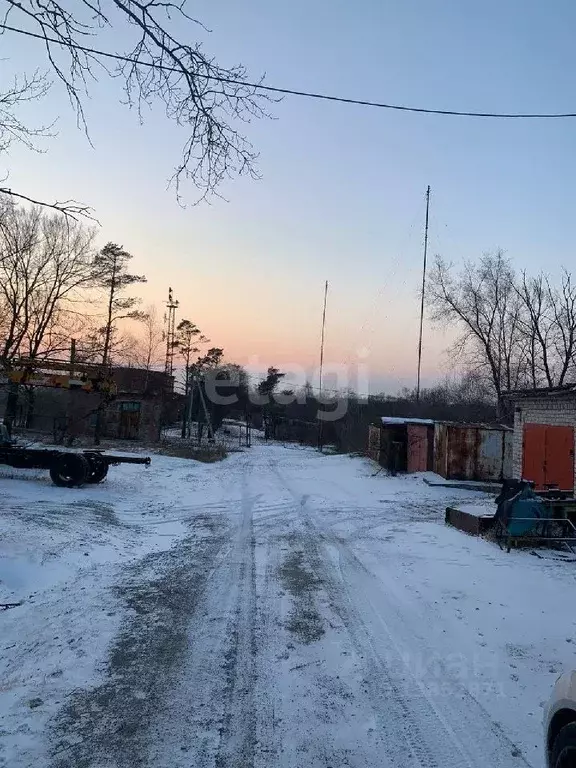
column 523, row 516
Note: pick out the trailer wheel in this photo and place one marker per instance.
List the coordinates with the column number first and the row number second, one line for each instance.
column 69, row 470
column 97, row 469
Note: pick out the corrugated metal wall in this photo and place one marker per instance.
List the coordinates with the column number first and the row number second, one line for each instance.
column 441, row 449
column 460, row 451
column 417, row 459
column 490, row 456
column 374, row 442
column 472, row 452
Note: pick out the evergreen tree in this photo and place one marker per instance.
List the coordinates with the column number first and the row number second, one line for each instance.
column 111, row 272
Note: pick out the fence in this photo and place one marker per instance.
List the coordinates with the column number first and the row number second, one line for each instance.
column 232, row 435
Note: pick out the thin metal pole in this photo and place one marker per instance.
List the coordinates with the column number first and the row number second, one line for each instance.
column 191, row 384
column 206, row 412
column 72, row 356
column 172, row 305
column 322, row 361
column 323, row 331
column 423, row 294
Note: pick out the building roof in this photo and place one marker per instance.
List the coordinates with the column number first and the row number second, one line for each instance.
column 566, row 390
column 399, row 420
column 473, row 425
column 140, row 381
column 391, row 421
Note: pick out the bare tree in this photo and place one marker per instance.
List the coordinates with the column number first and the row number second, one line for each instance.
column 45, row 264
column 124, row 347
column 483, row 303
column 537, row 327
column 549, row 326
column 520, row 329
column 159, row 65
column 563, row 302
column 140, row 348
column 152, row 337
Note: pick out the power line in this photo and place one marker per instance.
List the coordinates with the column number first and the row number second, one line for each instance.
column 292, row 91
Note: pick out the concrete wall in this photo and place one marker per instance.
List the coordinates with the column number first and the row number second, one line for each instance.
column 75, row 412
column 52, row 408
column 555, row 411
column 507, row 467
column 149, row 418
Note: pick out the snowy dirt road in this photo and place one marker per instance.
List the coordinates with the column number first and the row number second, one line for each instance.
column 280, row 608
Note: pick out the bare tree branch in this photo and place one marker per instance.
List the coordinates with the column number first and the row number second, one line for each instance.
column 198, row 95
column 69, row 208
column 12, row 128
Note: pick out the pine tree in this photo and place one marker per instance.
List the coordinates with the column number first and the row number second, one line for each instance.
column 267, row 386
column 188, row 335
column 111, row 274
column 111, row 271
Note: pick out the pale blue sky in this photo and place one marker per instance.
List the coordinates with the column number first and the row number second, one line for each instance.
column 342, row 193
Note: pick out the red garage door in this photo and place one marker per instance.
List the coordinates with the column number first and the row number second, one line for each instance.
column 548, row 456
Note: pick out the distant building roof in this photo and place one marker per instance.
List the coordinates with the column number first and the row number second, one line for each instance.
column 561, row 391
column 140, row 381
column 390, row 420
column 473, row 425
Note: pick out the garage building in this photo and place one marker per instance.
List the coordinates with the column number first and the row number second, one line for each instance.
column 543, row 443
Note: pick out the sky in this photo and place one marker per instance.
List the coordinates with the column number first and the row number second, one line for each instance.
column 342, row 193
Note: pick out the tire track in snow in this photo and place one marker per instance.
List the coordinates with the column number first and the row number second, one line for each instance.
column 117, row 722
column 238, row 731
column 405, row 743
column 208, row 719
column 109, row 724
column 417, row 731
column 463, row 718
column 270, row 646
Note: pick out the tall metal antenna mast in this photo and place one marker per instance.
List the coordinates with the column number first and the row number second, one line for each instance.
column 423, row 294
column 322, row 336
column 320, row 436
column 172, row 305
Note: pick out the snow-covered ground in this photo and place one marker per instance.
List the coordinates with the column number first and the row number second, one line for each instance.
column 279, row 608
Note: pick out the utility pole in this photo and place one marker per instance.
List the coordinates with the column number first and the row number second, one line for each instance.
column 191, row 385
column 172, row 306
column 72, row 356
column 423, row 294
column 320, row 422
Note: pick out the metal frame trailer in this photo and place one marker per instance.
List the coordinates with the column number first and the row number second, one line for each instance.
column 67, row 469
